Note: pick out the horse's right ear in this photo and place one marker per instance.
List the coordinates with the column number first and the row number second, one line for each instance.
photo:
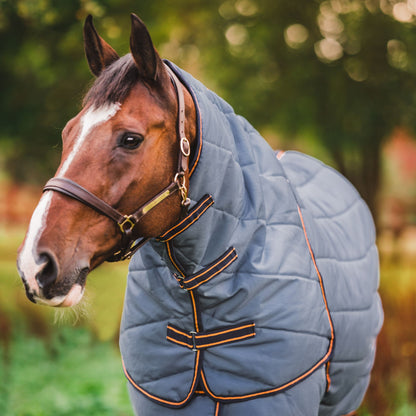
column 99, row 53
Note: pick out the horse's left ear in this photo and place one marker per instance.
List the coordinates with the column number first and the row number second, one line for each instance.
column 144, row 53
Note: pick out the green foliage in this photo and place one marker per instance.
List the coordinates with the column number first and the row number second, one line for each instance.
column 40, row 66
column 44, row 75
column 68, row 374
column 60, row 362
column 338, row 71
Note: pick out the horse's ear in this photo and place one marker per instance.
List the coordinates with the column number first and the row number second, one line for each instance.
column 99, row 53
column 144, row 54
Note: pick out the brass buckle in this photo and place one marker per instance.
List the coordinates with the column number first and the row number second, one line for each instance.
column 180, row 181
column 127, row 221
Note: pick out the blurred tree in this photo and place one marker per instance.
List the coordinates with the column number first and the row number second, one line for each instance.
column 338, row 71
column 39, row 54
column 43, row 75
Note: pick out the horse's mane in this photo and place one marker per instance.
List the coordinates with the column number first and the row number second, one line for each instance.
column 114, row 83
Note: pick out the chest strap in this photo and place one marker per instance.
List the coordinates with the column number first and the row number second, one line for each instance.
column 205, row 339
column 207, row 273
column 193, row 215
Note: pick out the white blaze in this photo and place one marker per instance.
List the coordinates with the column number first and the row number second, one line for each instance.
column 93, row 117
column 27, row 261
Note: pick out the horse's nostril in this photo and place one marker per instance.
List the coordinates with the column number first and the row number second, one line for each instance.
column 48, row 271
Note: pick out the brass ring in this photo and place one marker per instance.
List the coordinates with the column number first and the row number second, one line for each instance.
column 185, row 146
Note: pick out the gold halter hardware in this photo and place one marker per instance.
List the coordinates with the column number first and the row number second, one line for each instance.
column 127, row 224
column 180, row 180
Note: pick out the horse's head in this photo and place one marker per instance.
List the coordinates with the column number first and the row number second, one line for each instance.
column 123, row 148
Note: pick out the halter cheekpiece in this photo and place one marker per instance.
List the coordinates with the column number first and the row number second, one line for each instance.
column 126, row 223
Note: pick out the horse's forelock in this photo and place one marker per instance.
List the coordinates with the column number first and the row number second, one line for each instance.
column 114, row 83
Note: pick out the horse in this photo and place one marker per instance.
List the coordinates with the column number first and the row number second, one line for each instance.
column 253, row 280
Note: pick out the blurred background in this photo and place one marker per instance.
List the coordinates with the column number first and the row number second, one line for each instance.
column 334, row 78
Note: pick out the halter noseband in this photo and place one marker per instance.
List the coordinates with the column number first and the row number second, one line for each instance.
column 127, row 223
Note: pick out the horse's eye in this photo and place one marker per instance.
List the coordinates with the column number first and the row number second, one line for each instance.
column 130, row 140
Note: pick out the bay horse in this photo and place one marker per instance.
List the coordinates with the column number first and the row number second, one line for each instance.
column 255, row 287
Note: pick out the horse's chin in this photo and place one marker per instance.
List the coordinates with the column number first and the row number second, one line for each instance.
column 72, row 298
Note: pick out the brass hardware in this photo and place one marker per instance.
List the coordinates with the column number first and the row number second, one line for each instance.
column 155, row 202
column 127, row 221
column 180, row 181
column 185, row 146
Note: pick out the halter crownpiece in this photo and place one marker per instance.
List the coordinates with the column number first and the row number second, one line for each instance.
column 126, row 223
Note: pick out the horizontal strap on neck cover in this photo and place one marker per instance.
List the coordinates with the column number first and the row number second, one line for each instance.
column 207, row 273
column 194, row 214
column 206, row 339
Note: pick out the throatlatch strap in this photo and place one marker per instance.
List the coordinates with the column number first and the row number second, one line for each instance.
column 194, row 214
column 207, row 273
column 201, row 340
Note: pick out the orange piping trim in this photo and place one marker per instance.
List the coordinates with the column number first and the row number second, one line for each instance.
column 211, row 334
column 180, row 332
column 178, row 342
column 214, row 265
column 194, row 311
column 212, row 344
column 195, row 219
column 225, row 331
column 158, row 398
column 225, row 341
column 173, row 261
column 217, row 409
column 200, row 135
column 328, row 377
column 219, row 271
column 319, row 276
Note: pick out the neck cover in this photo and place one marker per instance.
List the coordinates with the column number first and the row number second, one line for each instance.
column 244, row 297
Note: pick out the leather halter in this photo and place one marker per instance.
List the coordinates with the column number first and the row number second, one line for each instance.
column 127, row 223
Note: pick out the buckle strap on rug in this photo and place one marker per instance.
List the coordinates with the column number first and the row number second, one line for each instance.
column 205, row 339
column 207, row 273
column 193, row 215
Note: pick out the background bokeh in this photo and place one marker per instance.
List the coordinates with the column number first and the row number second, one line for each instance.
column 333, row 78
